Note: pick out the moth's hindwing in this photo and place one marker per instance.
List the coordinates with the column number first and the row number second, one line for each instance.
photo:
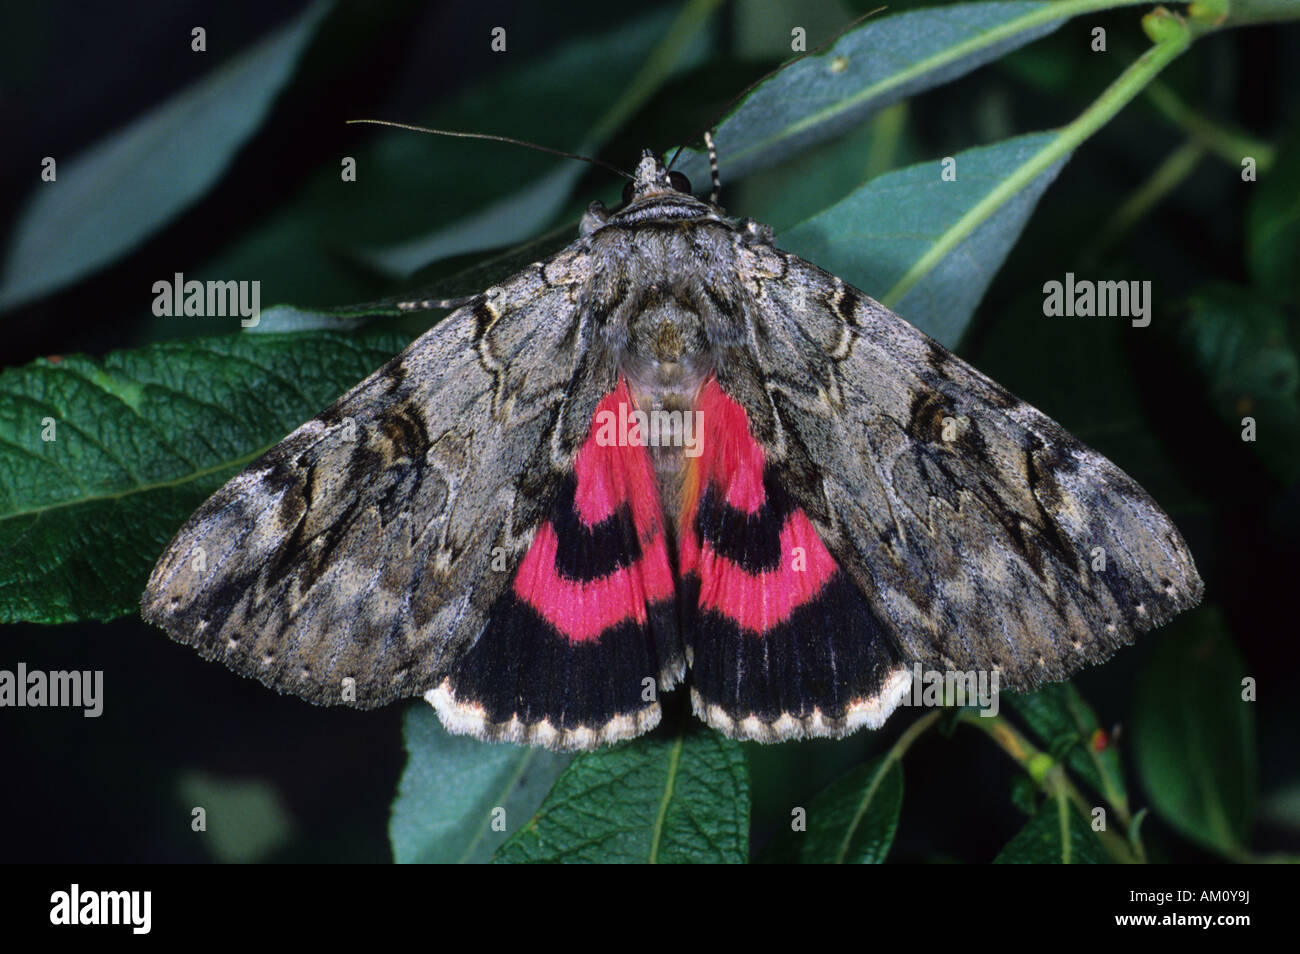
column 577, row 649
column 782, row 643
column 354, row 561
column 984, row 536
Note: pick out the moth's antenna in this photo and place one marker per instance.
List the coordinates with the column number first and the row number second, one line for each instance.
column 713, row 168
column 492, row 138
column 768, row 75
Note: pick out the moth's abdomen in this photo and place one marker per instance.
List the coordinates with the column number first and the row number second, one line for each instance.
column 666, row 364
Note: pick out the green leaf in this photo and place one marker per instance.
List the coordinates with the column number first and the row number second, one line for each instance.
column 108, row 200
column 453, row 784
column 804, row 185
column 1055, row 836
column 663, row 798
column 1194, row 735
column 851, row 821
column 510, row 219
column 101, row 460
column 880, row 234
column 1244, row 348
column 883, row 60
column 1070, row 733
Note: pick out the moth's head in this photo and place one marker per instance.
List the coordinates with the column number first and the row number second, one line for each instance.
column 653, row 178
column 654, row 193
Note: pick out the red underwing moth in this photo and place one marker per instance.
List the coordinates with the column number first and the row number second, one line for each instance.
column 671, row 454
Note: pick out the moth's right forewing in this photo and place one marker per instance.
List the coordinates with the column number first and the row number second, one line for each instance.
column 974, row 523
column 356, row 558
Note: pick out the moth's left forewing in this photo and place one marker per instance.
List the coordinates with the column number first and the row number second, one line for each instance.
column 985, row 535
column 358, row 558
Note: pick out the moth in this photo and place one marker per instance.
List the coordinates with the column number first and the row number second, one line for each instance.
column 672, row 454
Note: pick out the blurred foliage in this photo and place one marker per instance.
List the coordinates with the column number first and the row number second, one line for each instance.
column 1193, row 186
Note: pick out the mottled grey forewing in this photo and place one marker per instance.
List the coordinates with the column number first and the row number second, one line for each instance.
column 985, row 535
column 356, row 558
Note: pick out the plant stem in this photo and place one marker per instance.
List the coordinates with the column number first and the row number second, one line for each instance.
column 1230, row 145
column 1055, row 782
column 1244, row 12
column 914, row 732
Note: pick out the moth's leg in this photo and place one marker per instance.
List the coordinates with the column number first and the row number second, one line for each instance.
column 429, row 304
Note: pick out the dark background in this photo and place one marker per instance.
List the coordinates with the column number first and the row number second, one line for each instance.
column 177, row 730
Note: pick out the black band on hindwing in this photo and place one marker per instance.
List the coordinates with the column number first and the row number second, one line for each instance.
column 750, row 540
